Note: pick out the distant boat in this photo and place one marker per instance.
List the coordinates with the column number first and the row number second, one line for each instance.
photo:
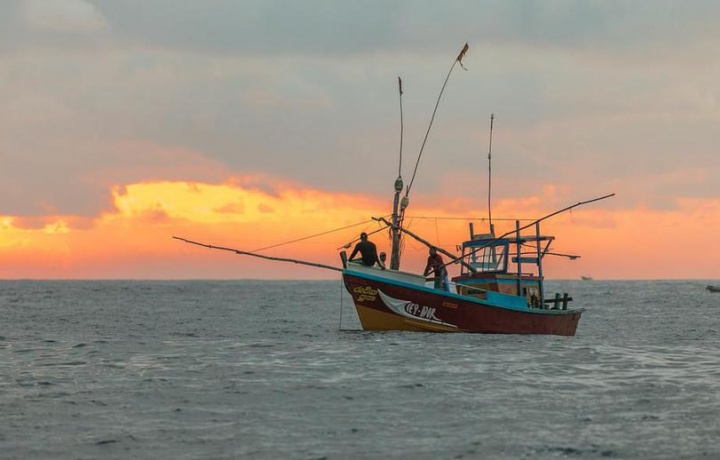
column 586, row 278
column 713, row 288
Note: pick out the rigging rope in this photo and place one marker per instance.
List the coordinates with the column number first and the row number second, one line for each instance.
column 368, row 233
column 432, row 118
column 341, row 304
column 312, row 236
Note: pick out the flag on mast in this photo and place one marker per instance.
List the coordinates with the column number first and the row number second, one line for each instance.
column 462, row 55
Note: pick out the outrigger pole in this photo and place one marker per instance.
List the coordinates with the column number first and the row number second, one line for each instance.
column 536, row 222
column 247, row 253
column 517, row 230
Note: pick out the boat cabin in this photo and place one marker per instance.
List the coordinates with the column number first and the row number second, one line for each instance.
column 510, row 264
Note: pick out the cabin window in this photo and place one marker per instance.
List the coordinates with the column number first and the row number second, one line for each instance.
column 488, row 258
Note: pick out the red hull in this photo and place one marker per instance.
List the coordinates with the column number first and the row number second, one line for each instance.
column 390, row 305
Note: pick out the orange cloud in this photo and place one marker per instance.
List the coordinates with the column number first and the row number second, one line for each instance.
column 133, row 241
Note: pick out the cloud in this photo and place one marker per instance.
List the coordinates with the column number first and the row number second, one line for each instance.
column 328, row 28
column 61, row 15
column 254, row 28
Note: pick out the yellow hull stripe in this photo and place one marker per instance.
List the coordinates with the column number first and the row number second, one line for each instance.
column 374, row 320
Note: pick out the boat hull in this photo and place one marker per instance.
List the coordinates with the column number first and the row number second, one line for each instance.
column 385, row 304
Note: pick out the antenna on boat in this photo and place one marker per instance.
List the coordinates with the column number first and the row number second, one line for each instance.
column 395, row 232
column 492, row 119
column 400, row 91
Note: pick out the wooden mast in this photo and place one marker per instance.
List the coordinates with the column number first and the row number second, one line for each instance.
column 395, row 228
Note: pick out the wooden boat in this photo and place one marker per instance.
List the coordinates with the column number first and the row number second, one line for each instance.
column 488, row 297
column 500, row 288
column 586, row 278
column 713, row 289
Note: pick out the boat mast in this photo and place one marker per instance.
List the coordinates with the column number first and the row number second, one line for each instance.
column 395, row 229
column 491, row 227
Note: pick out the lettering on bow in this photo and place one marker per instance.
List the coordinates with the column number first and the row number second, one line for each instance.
column 365, row 293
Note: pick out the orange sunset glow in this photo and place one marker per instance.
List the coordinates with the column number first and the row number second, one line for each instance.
column 133, row 240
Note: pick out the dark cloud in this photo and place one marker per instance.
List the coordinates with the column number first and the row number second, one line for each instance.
column 329, row 28
column 332, row 28
column 258, row 27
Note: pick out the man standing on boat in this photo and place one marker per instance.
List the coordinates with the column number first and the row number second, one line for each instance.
column 368, row 252
column 436, row 264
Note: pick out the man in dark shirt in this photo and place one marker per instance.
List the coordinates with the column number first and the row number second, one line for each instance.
column 368, row 252
column 436, row 264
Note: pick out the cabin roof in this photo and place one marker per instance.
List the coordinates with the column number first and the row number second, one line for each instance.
column 480, row 242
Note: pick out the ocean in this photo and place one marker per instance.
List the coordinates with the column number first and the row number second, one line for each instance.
column 281, row 370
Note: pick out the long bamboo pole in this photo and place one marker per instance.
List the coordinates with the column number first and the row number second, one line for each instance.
column 556, row 213
column 246, row 253
column 518, row 230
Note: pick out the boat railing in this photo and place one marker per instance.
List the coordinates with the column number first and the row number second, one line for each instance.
column 559, row 302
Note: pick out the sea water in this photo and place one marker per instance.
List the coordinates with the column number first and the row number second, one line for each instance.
column 281, row 370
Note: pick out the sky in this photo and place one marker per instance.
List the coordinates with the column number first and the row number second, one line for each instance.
column 258, row 124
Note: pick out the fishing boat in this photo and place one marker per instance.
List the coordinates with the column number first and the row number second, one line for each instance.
column 500, row 287
column 713, row 289
column 586, row 278
column 488, row 296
